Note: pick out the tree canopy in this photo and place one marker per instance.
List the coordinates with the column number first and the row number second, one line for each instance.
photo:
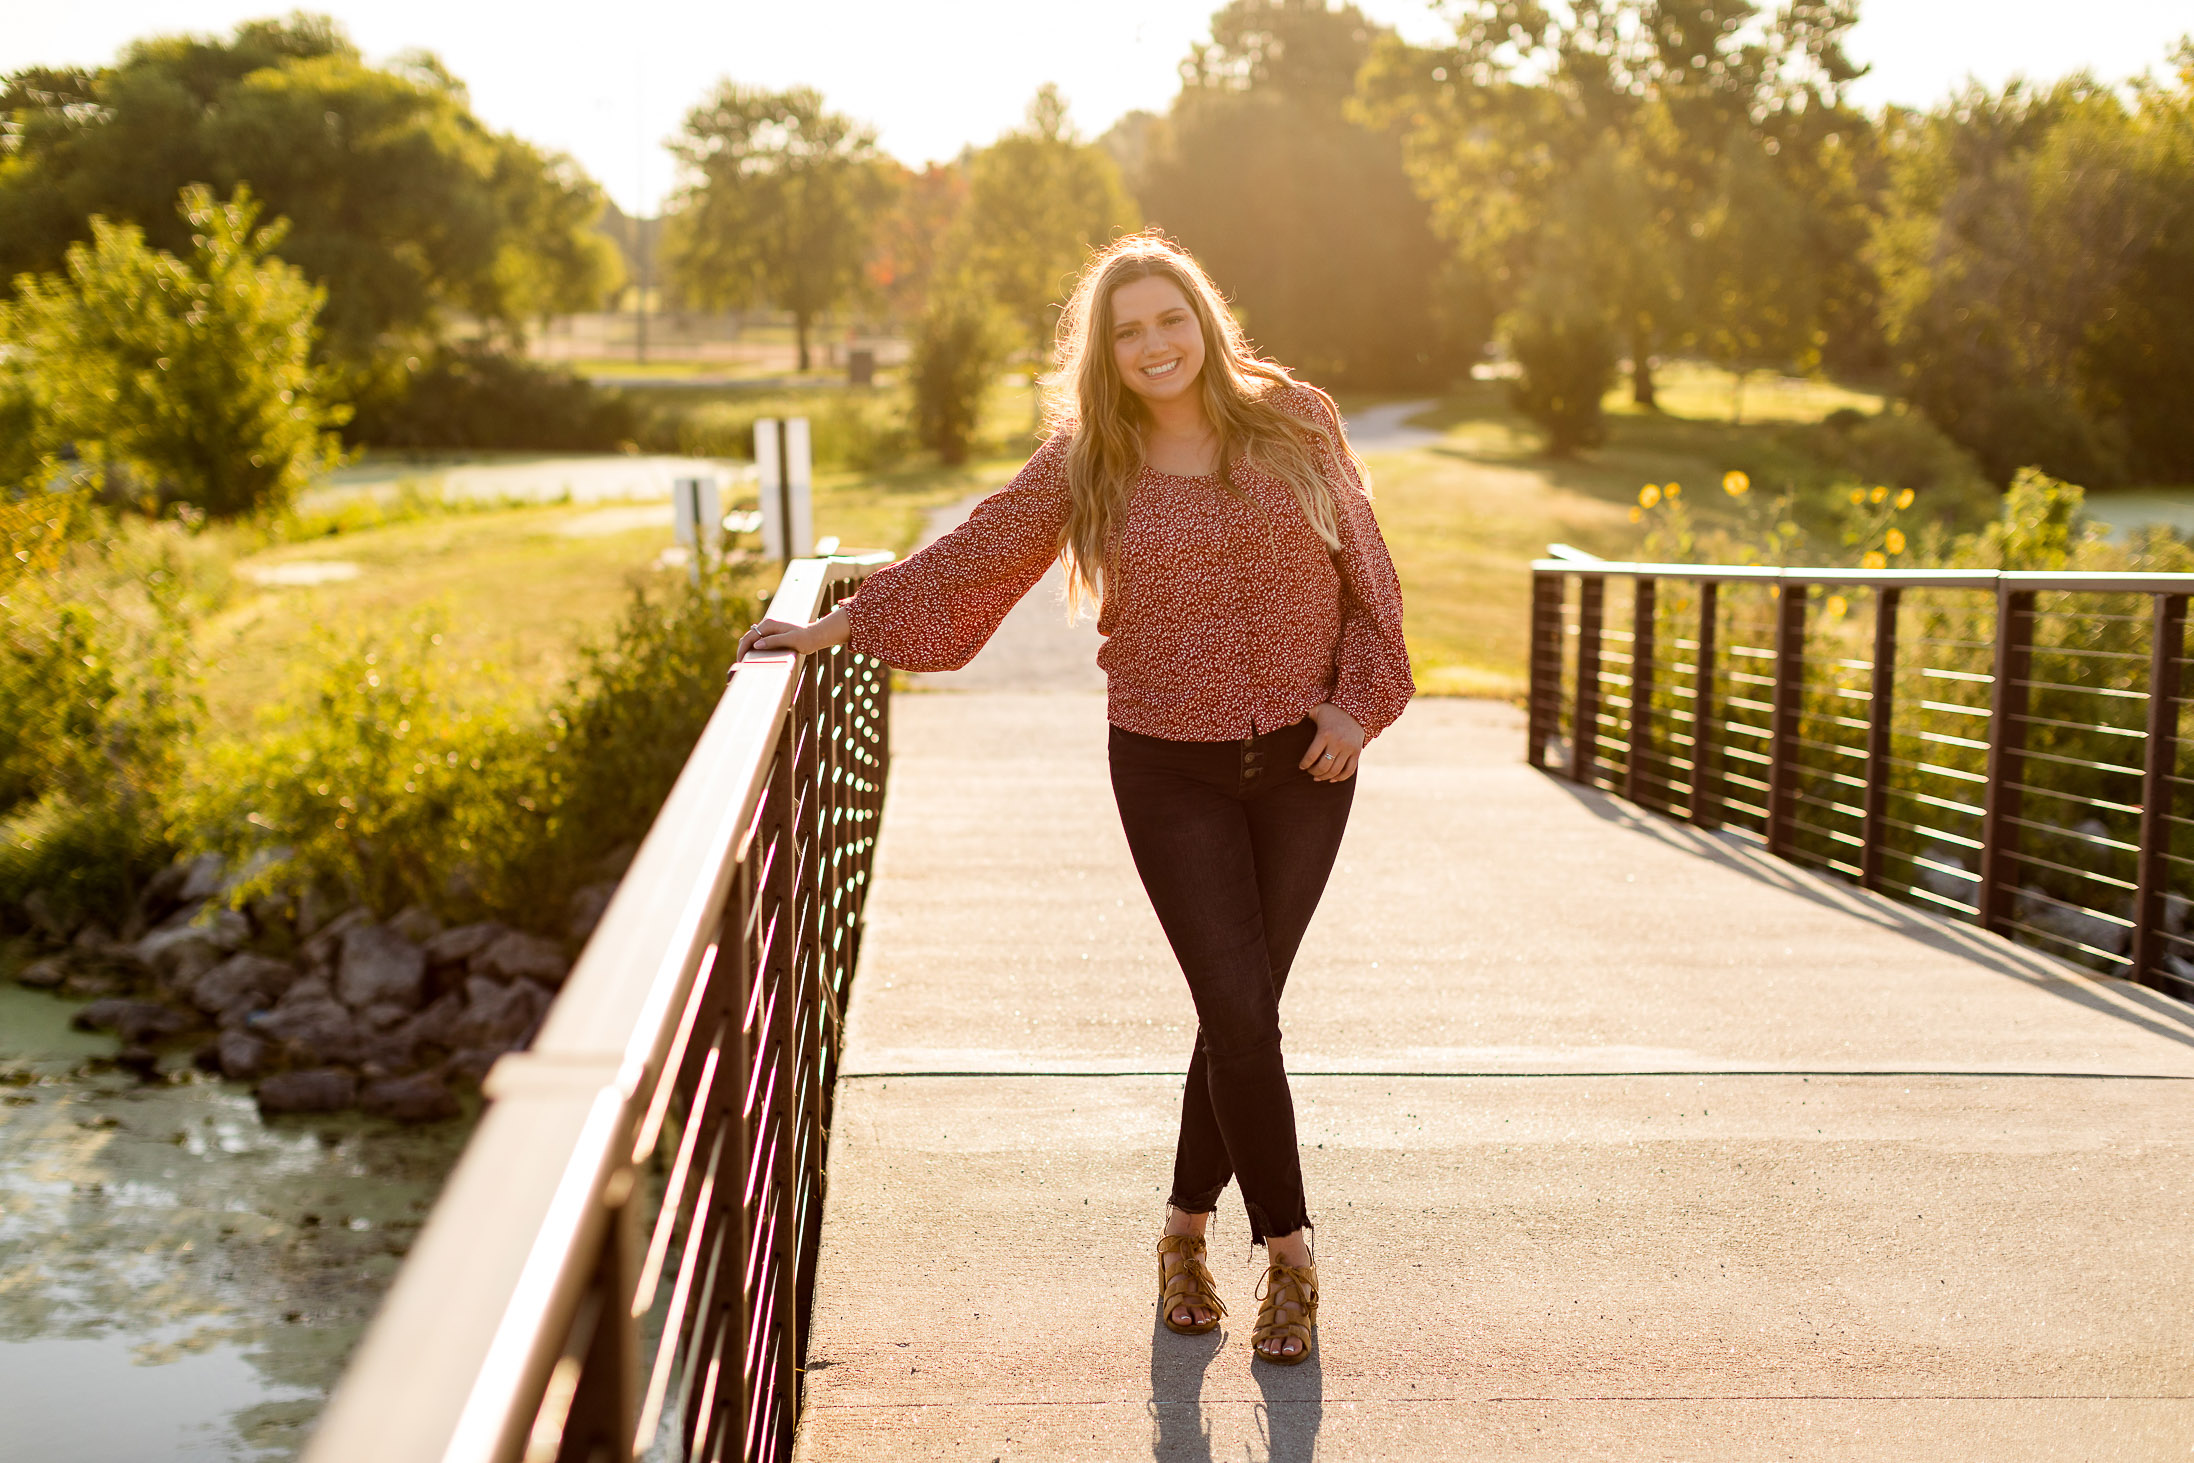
column 1306, row 215
column 780, row 203
column 401, row 203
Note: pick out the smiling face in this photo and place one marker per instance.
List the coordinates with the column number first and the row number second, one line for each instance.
column 1157, row 341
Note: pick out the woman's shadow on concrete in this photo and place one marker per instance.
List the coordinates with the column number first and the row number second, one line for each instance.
column 1288, row 1417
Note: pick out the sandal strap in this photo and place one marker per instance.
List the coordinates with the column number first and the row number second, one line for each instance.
column 1190, row 1281
column 1287, row 1287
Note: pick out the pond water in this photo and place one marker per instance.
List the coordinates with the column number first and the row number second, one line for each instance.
column 180, row 1278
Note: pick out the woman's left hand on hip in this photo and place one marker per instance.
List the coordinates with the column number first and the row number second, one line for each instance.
column 1334, row 751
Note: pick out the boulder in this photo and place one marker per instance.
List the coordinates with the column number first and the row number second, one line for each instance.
column 43, row 975
column 499, row 1017
column 385, row 1053
column 416, row 924
column 245, row 977
column 163, row 891
column 327, row 941
column 229, row 929
column 136, row 1022
column 241, row 1056
column 321, row 1089
column 458, row 945
column 437, row 1024
column 307, row 990
column 418, row 1098
column 585, row 910
column 378, row 965
column 520, row 956
column 178, row 955
column 383, row 1016
column 312, row 1031
column 314, row 909
column 202, row 878
column 90, row 983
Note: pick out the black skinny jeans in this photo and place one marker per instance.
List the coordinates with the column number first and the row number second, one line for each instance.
column 1233, row 842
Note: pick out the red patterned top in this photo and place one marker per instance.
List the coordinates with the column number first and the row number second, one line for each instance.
column 1222, row 618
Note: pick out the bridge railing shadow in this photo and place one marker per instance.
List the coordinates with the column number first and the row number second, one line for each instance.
column 2008, row 750
column 620, row 1264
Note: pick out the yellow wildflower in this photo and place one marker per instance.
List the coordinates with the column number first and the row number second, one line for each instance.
column 1904, row 499
column 1879, row 495
column 1637, row 514
column 1896, row 541
column 1837, row 606
column 1648, row 496
column 1673, row 490
column 1735, row 483
column 1858, row 497
column 1875, row 559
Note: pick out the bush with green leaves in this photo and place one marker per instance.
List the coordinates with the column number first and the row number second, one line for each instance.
column 1567, row 354
column 95, row 686
column 391, row 776
column 959, row 346
column 473, row 396
column 192, row 377
column 848, row 427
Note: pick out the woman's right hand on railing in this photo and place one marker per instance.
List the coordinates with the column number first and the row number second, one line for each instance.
column 833, row 629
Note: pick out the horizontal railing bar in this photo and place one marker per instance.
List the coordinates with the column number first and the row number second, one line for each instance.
column 2074, row 582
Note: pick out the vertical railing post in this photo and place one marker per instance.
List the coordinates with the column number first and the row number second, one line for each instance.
column 1584, row 739
column 1641, row 690
column 2166, row 645
column 1706, row 788
column 1881, row 706
column 1782, row 751
column 2006, row 754
column 1546, row 664
column 784, row 1137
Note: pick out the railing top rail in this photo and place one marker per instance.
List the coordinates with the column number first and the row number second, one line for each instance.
column 1982, row 579
column 464, row 1336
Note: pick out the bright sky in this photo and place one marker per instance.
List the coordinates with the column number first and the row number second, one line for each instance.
column 608, row 82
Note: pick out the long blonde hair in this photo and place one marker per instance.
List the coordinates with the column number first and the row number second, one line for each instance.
column 1085, row 399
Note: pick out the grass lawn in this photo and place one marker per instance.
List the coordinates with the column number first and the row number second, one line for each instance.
column 1464, row 517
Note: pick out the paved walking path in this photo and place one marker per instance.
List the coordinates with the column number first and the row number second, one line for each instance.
column 1623, row 1141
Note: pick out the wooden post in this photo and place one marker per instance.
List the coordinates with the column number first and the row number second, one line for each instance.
column 1706, row 787
column 2006, row 756
column 2166, row 645
column 1635, row 784
column 1789, row 698
column 1584, row 739
column 1881, row 705
column 1546, row 664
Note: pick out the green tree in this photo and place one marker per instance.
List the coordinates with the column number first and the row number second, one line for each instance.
column 400, row 201
column 1039, row 199
column 781, row 206
column 2037, row 256
column 192, row 376
column 1754, row 302
column 959, row 344
column 1531, row 98
column 1306, row 214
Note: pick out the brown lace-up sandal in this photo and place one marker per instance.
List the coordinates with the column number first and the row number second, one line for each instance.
column 1186, row 1281
column 1286, row 1288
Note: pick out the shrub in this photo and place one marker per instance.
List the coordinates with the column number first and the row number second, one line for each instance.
column 849, row 428
column 376, row 776
column 1568, row 356
column 959, row 346
column 93, row 686
column 193, row 376
column 1900, row 449
column 471, row 396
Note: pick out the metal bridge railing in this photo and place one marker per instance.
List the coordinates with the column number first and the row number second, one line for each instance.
column 2009, row 748
column 620, row 1263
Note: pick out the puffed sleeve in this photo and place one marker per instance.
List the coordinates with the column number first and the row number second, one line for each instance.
column 1373, row 682
column 934, row 610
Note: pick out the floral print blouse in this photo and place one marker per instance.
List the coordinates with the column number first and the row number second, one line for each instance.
column 1224, row 616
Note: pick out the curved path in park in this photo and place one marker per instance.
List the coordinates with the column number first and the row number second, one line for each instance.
column 1623, row 1141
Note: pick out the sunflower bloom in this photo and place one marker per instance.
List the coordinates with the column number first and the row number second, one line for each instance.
column 1879, row 495
column 1895, row 542
column 1875, row 559
column 1648, row 495
column 1735, row 484
column 1904, row 499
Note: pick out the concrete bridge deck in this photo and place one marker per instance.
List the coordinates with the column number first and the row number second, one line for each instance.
column 1623, row 1141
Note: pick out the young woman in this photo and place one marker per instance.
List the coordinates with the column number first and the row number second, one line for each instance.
column 1212, row 510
